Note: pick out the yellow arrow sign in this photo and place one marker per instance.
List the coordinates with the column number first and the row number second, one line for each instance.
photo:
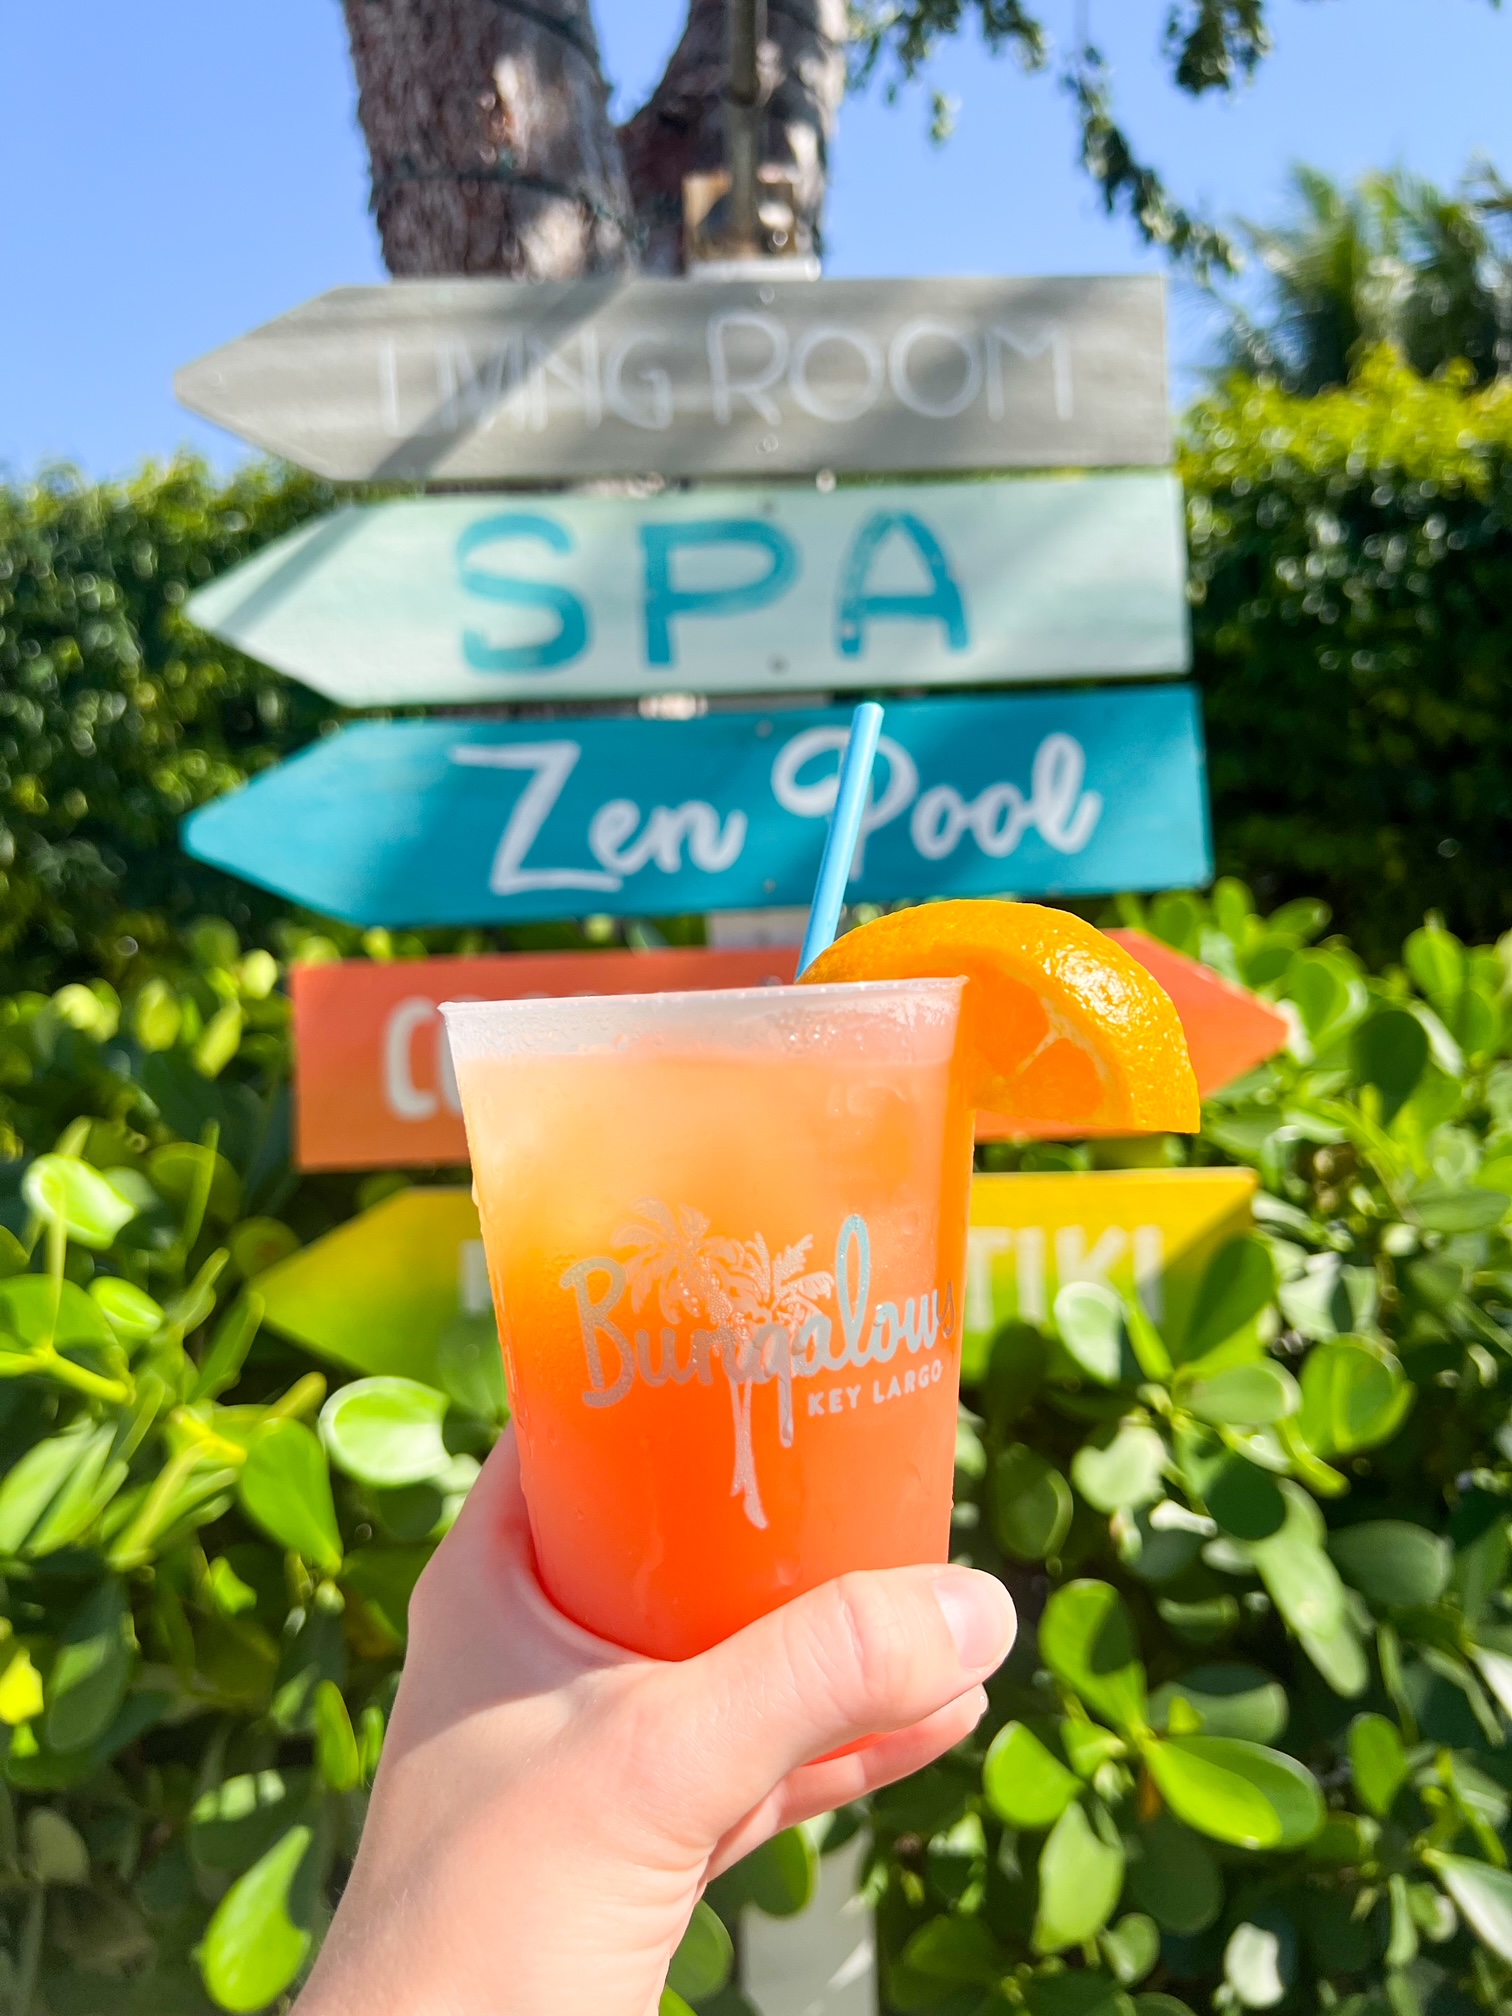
column 1149, row 1232
column 378, row 1294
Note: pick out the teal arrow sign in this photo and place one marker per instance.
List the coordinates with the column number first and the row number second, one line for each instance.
column 468, row 822
column 470, row 599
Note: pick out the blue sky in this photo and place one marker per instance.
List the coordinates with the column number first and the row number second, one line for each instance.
column 175, row 174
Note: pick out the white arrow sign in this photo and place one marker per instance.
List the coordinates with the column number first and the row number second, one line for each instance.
column 497, row 379
column 469, row 599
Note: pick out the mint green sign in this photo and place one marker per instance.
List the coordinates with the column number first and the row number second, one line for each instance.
column 472, row 599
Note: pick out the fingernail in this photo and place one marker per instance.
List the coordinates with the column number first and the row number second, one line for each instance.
column 979, row 1616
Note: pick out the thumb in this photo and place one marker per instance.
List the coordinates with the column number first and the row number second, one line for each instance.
column 861, row 1656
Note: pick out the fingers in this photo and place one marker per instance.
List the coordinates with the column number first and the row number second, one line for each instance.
column 819, row 1788
column 867, row 1654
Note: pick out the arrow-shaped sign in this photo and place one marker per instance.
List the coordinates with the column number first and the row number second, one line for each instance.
column 529, row 598
column 1148, row 1232
column 469, row 822
column 374, row 1087
column 497, row 379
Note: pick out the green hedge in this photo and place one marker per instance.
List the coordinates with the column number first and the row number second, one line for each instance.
column 1252, row 1747
column 1352, row 581
column 1255, row 1754
column 118, row 715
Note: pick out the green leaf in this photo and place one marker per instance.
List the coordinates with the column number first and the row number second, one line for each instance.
column 285, row 1489
column 470, row 1366
column 40, row 1311
column 181, row 1170
column 386, row 1431
column 37, row 1477
column 1237, row 1792
column 1031, row 1504
column 1305, row 1587
column 63, row 1190
column 1239, row 1283
column 156, row 1016
column 1394, row 1563
column 1160, row 2005
column 259, row 1935
column 236, row 1822
column 1173, row 1876
column 1483, row 1896
column 1090, row 1321
column 1124, row 1471
column 1080, row 1878
column 55, row 1850
column 89, row 1676
column 1233, row 1700
column 1439, row 1207
column 1378, row 1761
column 704, row 1958
column 672, row 2004
column 221, row 1365
column 1495, row 1668
column 219, row 1041
column 1087, row 1640
column 88, row 1488
column 259, row 1243
column 1436, row 960
column 1088, row 1746
column 1391, row 1053
column 1261, row 1958
column 1131, row 1947
column 779, row 1877
column 1026, row 1785
column 1245, row 1500
column 131, row 1313
column 1244, row 1396
column 1353, row 1397
column 958, row 1951
column 1082, row 1991
column 335, row 1742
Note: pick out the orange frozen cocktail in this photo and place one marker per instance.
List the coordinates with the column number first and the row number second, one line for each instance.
column 726, row 1237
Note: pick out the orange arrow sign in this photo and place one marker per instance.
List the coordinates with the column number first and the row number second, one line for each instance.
column 374, row 1088
column 1228, row 1030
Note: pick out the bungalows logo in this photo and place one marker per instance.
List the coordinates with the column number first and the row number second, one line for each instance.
column 757, row 1314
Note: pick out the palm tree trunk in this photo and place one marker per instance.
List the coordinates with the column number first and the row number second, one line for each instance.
column 488, row 131
column 492, row 152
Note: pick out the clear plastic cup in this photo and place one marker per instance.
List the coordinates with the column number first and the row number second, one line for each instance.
column 726, row 1237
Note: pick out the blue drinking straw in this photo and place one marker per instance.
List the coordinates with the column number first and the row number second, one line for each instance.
column 845, row 830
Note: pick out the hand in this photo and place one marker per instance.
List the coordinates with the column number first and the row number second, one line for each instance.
column 549, row 1807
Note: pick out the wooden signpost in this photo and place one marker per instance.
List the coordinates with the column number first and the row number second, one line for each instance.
column 503, row 381
column 1146, row 1232
column 466, row 822
column 443, row 599
column 374, row 1088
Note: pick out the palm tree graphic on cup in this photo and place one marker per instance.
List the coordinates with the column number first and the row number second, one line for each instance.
column 752, row 1300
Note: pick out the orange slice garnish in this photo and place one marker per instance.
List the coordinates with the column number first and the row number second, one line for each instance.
column 1061, row 1028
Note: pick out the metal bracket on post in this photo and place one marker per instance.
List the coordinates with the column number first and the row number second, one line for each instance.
column 741, row 221
column 743, row 110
